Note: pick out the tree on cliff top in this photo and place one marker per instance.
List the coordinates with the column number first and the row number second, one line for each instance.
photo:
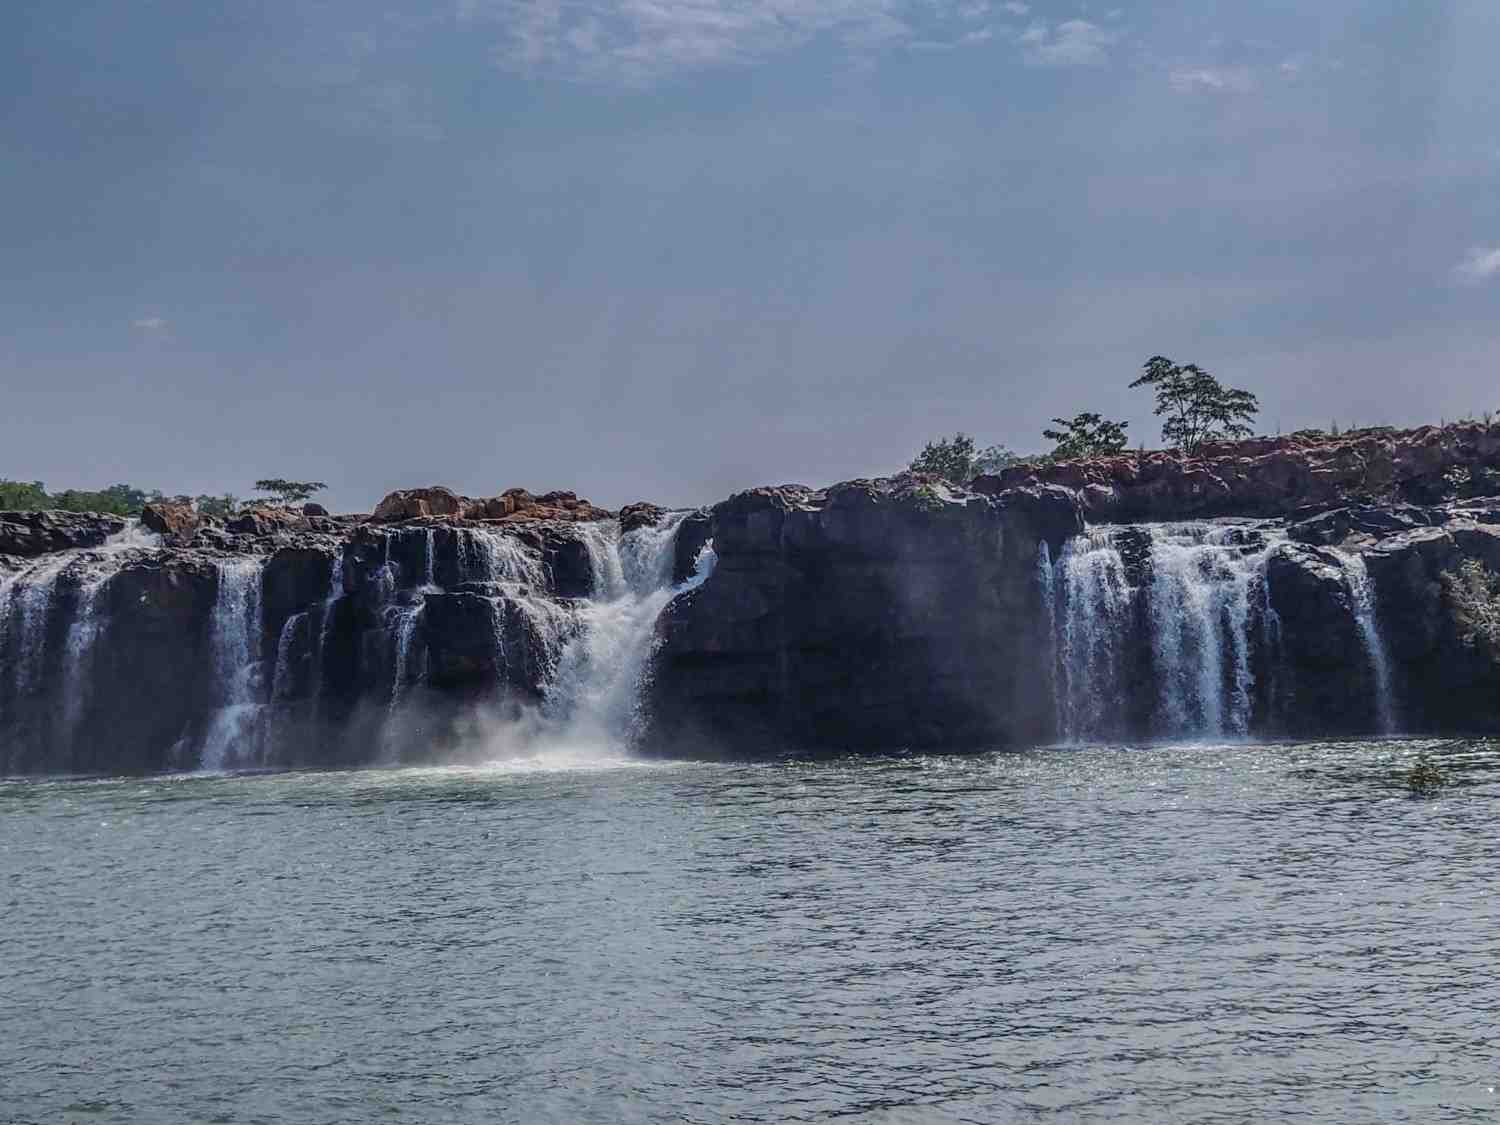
column 958, row 460
column 1086, row 435
column 1196, row 406
column 289, row 492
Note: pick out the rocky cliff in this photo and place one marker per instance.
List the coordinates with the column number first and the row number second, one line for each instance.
column 884, row 613
column 1277, row 476
column 874, row 614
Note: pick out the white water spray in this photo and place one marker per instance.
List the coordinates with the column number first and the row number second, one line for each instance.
column 595, row 697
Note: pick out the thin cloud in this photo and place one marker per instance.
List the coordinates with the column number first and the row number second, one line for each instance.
column 644, row 41
column 1480, row 264
column 1070, row 43
column 1212, row 80
column 149, row 324
column 1016, row 9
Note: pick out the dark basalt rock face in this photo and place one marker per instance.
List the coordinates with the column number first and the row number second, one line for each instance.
column 129, row 682
column 1439, row 683
column 882, row 613
column 26, row 535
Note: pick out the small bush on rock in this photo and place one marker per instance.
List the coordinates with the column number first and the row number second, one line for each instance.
column 1473, row 594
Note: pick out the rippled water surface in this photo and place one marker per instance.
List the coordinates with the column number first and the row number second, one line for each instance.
column 1247, row 933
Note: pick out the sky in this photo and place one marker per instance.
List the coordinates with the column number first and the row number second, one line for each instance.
column 668, row 249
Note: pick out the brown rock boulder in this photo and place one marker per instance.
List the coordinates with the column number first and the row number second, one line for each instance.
column 419, row 503
column 178, row 522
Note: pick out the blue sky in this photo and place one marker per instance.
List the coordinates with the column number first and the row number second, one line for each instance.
column 671, row 248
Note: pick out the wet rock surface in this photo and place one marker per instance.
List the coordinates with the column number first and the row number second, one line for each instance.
column 26, row 535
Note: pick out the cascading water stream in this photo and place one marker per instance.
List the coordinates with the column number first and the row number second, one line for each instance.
column 234, row 736
column 1205, row 609
column 282, row 676
column 594, row 698
column 325, row 623
column 26, row 607
column 1362, row 601
column 1092, row 600
column 31, row 595
column 502, row 561
column 1202, row 590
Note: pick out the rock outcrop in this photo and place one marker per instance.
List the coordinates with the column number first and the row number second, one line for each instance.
column 1439, row 683
column 1276, row 476
column 176, row 522
column 512, row 504
column 898, row 612
column 26, row 535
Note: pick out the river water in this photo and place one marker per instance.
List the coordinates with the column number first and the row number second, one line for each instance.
column 1181, row 933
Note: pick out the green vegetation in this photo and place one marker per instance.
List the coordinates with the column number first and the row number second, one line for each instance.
column 221, row 506
column 956, row 459
column 1473, row 593
column 1196, row 406
column 1087, row 435
column 19, row 496
column 928, row 499
column 116, row 500
column 289, row 492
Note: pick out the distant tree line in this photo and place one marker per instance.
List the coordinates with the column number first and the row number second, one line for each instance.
column 1195, row 407
column 127, row 500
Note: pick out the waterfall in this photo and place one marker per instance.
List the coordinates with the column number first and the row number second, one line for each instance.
column 503, row 561
column 1047, row 592
column 235, row 734
column 83, row 632
column 1203, row 601
column 281, row 677
column 32, row 593
column 1362, row 602
column 325, row 622
column 26, row 606
column 595, row 696
column 407, row 619
column 1201, row 595
column 1092, row 602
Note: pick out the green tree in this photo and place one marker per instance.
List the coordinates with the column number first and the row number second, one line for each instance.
column 1086, row 435
column 958, row 460
column 116, row 500
column 993, row 458
column 21, row 496
column 222, row 506
column 952, row 460
column 289, row 492
column 1196, row 406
